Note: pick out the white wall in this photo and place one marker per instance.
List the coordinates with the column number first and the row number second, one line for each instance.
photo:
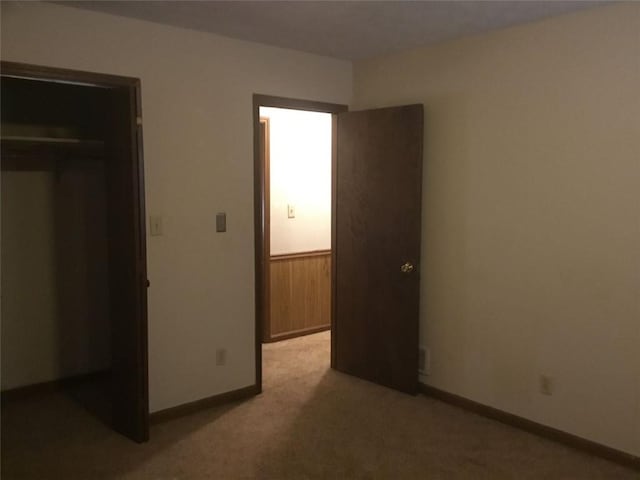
column 531, row 225
column 29, row 310
column 300, row 171
column 198, row 140
column 54, row 288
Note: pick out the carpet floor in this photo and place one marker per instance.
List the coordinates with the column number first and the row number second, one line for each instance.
column 310, row 423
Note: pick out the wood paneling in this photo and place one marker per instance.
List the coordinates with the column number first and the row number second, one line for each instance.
column 300, row 298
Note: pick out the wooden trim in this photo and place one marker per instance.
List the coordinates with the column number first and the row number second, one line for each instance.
column 297, row 333
column 334, row 210
column 27, row 391
column 536, row 428
column 258, row 240
column 140, row 233
column 143, row 274
column 260, row 206
column 266, row 164
column 289, row 256
column 78, row 77
column 203, row 404
column 297, row 104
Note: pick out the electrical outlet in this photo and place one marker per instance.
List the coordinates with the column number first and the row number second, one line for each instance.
column 546, row 385
column 221, row 356
column 424, row 360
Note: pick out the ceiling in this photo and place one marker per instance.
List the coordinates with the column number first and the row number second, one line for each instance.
column 350, row 30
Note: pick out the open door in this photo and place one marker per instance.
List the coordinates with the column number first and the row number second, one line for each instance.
column 119, row 117
column 377, row 213
column 127, row 267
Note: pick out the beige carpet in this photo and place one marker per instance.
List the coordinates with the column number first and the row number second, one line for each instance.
column 310, row 422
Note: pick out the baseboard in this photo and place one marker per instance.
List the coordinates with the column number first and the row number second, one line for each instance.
column 298, row 333
column 530, row 426
column 35, row 389
column 203, row 404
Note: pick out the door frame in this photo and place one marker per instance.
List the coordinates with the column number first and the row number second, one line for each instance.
column 261, row 216
column 138, row 247
column 265, row 160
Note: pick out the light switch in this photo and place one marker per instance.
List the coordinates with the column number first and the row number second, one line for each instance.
column 155, row 225
column 291, row 211
column 221, row 222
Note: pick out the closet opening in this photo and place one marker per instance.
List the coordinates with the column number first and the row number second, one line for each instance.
column 73, row 260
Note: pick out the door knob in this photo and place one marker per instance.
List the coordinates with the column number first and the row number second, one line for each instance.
column 407, row 267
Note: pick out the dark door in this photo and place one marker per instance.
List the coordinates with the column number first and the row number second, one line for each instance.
column 127, row 280
column 127, row 266
column 377, row 212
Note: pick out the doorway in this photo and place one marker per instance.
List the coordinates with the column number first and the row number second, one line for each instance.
column 74, row 257
column 376, row 179
column 293, row 250
column 297, row 166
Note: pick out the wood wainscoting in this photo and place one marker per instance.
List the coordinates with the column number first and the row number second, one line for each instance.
column 299, row 300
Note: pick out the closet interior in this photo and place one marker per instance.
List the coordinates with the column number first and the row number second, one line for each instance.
column 55, row 268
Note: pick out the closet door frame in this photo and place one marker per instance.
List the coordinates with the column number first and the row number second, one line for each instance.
column 136, row 425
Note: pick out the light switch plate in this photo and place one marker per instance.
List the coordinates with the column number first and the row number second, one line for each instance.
column 221, row 222
column 291, row 211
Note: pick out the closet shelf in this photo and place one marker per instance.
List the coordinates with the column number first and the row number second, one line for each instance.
column 48, row 153
column 52, row 141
